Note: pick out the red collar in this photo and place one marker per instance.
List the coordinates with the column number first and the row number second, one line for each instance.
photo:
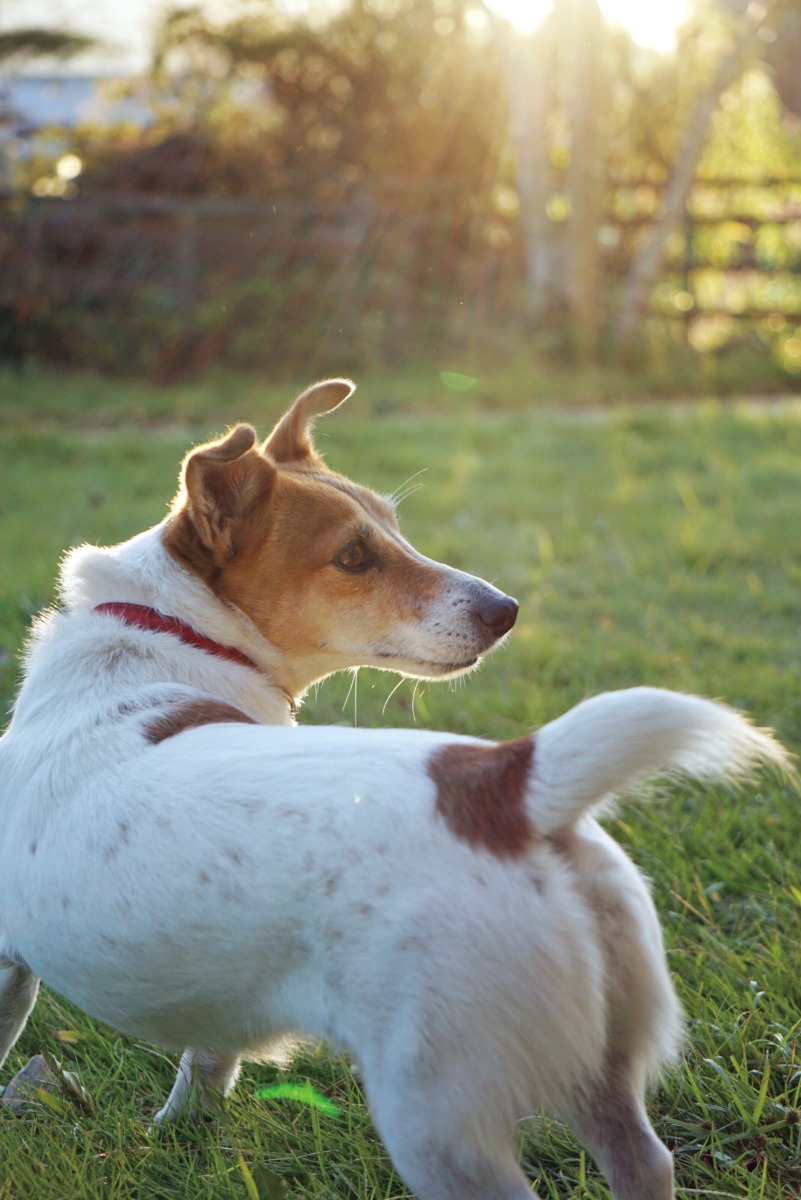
column 149, row 618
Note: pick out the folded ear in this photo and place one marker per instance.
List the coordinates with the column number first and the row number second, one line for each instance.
column 226, row 485
column 291, row 438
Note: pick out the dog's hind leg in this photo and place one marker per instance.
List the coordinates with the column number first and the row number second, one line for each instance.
column 18, row 988
column 440, row 1165
column 444, row 1172
column 610, row 1119
column 644, row 1024
column 204, row 1078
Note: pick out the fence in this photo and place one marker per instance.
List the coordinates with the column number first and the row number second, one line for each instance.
column 734, row 266
column 161, row 284
column 172, row 282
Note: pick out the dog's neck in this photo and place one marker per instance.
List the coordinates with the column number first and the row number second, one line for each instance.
column 140, row 573
column 141, row 616
column 144, row 617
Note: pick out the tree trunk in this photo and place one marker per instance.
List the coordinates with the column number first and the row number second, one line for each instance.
column 561, row 69
column 644, row 270
column 530, row 86
column 584, row 37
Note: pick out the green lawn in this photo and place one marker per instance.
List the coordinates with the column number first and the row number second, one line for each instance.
column 645, row 546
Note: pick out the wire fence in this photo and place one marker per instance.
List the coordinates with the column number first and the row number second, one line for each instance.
column 163, row 285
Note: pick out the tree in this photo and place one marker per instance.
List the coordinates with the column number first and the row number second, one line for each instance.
column 40, row 43
column 748, row 45
column 531, row 77
column 585, row 183
column 559, row 90
column 405, row 89
column 588, row 108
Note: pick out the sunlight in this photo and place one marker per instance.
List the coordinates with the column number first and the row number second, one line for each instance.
column 651, row 25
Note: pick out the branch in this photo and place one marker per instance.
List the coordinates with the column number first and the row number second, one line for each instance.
column 35, row 42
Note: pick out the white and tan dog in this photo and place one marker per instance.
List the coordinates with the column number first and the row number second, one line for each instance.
column 447, row 910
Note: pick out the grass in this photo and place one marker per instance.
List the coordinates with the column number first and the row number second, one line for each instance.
column 654, row 545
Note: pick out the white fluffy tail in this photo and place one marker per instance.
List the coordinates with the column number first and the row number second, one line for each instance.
column 605, row 744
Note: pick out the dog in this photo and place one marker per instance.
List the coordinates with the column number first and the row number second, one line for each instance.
column 270, row 572
column 183, row 862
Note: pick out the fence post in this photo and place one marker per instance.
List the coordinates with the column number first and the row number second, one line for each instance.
column 689, row 263
column 32, row 259
column 188, row 270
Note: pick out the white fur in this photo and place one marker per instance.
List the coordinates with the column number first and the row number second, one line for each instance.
column 237, row 884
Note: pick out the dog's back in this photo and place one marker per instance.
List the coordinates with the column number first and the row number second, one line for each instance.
column 248, row 881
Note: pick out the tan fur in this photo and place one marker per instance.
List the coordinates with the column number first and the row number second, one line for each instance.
column 284, row 585
column 291, row 441
column 219, row 509
column 481, row 793
column 264, row 527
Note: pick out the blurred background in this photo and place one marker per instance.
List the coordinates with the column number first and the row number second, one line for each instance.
column 530, row 185
column 499, row 216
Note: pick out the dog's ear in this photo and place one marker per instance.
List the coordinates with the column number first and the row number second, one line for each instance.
column 291, row 441
column 225, row 487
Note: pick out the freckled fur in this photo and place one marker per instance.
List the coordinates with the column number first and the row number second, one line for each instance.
column 470, row 990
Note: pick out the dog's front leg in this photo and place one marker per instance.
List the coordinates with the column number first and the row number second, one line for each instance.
column 204, row 1078
column 18, row 988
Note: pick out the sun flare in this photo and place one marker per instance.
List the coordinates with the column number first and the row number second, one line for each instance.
column 651, row 25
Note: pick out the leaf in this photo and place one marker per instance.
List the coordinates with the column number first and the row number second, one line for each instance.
column 71, row 1087
column 270, row 1186
column 455, row 382
column 250, row 1182
column 302, row 1093
column 75, row 1091
column 50, row 1100
column 261, row 1183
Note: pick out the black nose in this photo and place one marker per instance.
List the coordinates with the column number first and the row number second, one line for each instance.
column 499, row 615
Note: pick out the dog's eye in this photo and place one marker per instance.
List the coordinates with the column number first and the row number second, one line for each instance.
column 354, row 557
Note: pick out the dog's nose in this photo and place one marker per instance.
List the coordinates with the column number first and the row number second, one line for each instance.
column 498, row 614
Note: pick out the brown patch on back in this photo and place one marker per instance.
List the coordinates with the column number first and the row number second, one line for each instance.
column 481, row 793
column 191, row 715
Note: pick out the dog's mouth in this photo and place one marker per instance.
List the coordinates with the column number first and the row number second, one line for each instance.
column 425, row 668
column 450, row 670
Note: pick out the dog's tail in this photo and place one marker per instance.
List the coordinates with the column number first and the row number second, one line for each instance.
column 606, row 744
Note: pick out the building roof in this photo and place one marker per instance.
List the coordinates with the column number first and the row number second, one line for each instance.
column 31, row 101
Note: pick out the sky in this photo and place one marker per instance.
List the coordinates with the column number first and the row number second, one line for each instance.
column 650, row 22
column 126, row 25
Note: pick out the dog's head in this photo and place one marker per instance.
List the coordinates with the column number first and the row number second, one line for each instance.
column 318, row 562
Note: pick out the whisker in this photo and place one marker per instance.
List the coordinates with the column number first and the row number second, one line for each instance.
column 391, row 694
column 394, row 496
column 409, row 492
column 354, row 675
